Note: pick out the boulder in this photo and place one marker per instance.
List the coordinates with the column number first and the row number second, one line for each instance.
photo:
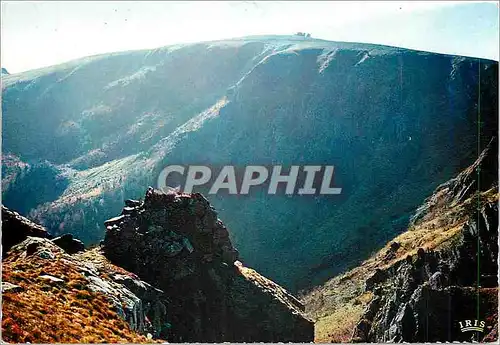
column 41, row 247
column 376, row 278
column 16, row 228
column 70, row 244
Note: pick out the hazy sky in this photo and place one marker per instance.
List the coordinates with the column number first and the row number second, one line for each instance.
column 38, row 34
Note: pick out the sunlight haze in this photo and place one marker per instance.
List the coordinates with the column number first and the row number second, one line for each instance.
column 39, row 34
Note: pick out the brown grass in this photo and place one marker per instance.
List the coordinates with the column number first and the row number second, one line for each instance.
column 48, row 312
column 337, row 327
column 338, row 305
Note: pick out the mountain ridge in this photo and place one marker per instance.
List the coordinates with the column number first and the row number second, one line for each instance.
column 283, row 38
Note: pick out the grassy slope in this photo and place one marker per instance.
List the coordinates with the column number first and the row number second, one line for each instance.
column 52, row 312
column 338, row 305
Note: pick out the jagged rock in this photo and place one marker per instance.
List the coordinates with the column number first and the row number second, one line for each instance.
column 372, row 308
column 126, row 303
column 140, row 288
column 395, row 246
column 70, row 244
column 480, row 176
column 34, row 246
column 378, row 277
column 37, row 245
column 16, row 228
column 427, row 294
column 132, row 203
column 114, row 220
column 443, row 270
column 129, row 210
column 442, row 309
column 360, row 334
column 175, row 242
column 132, row 298
column 437, row 280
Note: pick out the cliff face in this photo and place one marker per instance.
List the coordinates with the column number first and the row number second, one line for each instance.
column 394, row 122
column 440, row 272
column 192, row 287
column 176, row 242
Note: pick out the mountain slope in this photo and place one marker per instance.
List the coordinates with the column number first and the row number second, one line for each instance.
column 56, row 291
column 394, row 122
column 439, row 272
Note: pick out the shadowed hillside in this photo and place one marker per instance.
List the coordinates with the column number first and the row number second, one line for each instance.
column 394, row 122
column 419, row 286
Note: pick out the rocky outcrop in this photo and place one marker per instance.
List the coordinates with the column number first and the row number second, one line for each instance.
column 137, row 302
column 423, row 297
column 176, row 242
column 479, row 177
column 70, row 244
column 423, row 283
column 16, row 228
